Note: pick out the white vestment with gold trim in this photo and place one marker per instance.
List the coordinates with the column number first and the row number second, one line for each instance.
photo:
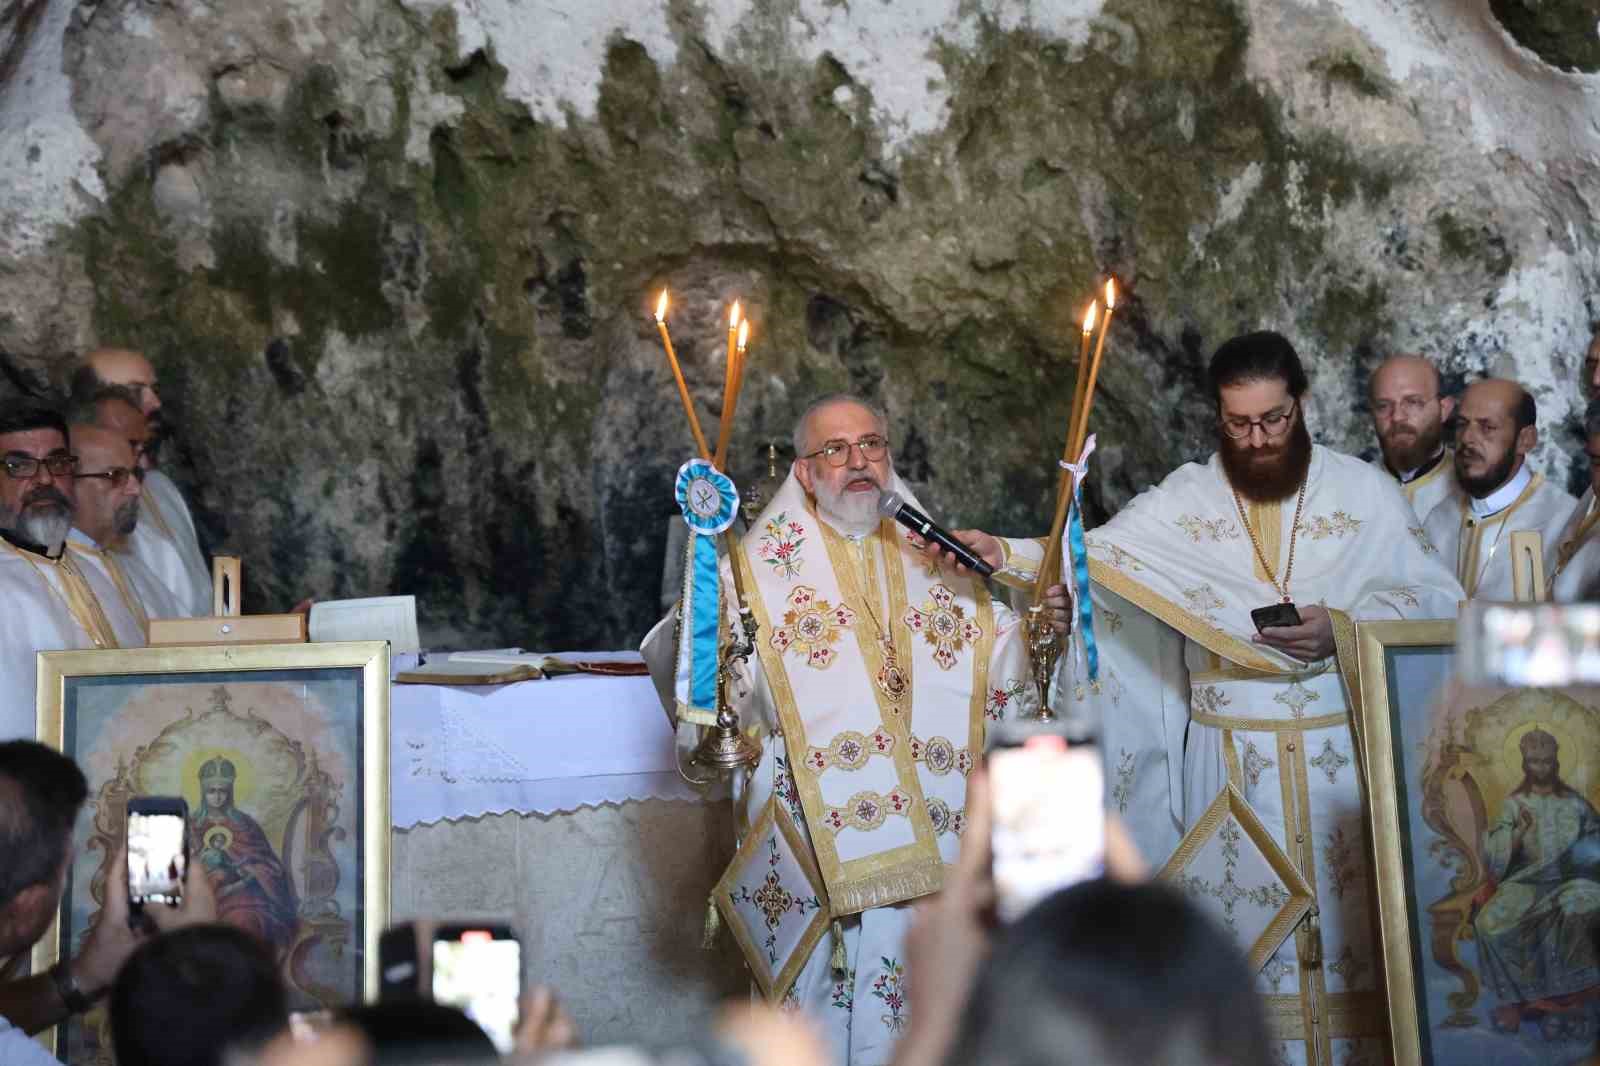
column 1480, row 548
column 51, row 605
column 165, row 542
column 1431, row 489
column 1190, row 705
column 1573, row 569
column 876, row 785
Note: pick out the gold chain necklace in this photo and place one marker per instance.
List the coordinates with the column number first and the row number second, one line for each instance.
column 1261, row 556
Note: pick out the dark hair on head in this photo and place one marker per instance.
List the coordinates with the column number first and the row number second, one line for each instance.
column 194, row 996
column 1260, row 356
column 21, row 418
column 41, row 791
column 1116, row 975
column 1527, row 412
column 412, row 1033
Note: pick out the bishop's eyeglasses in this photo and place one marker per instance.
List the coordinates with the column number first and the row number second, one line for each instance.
column 1273, row 423
column 837, row 452
column 21, row 467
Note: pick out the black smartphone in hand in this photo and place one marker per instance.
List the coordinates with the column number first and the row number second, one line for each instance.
column 1275, row 615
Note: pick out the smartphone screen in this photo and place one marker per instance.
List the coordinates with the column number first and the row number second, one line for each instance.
column 1049, row 819
column 479, row 969
column 158, row 855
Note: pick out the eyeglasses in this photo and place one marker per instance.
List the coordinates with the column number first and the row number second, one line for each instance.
column 117, row 475
column 1275, row 424
column 1412, row 406
column 837, row 452
column 23, row 467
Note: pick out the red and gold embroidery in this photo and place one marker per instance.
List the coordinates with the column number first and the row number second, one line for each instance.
column 940, row 756
column 866, row 811
column 811, row 626
column 850, row 750
column 944, row 624
column 945, row 820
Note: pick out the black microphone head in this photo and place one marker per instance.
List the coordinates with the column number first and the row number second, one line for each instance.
column 889, row 504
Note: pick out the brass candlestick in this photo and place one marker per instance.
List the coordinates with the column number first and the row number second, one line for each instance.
column 1043, row 651
column 726, row 748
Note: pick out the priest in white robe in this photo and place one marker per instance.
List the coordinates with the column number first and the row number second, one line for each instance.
column 874, row 679
column 1230, row 752
column 106, row 514
column 1574, row 572
column 1409, row 412
column 1496, row 430
column 165, row 541
column 53, row 602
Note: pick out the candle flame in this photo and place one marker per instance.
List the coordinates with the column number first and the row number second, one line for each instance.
column 733, row 316
column 661, row 307
column 1111, row 293
column 744, row 333
column 1088, row 317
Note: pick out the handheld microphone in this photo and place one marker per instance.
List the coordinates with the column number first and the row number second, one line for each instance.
column 893, row 505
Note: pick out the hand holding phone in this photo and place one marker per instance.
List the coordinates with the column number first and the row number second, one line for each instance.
column 158, row 851
column 1275, row 615
column 1047, row 798
column 479, row 969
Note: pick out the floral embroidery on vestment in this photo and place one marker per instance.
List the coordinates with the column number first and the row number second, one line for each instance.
column 867, row 810
column 850, row 750
column 1406, row 594
column 890, row 987
column 1207, row 698
column 944, row 820
column 1341, row 860
column 844, row 990
column 940, row 756
column 1423, row 542
column 1228, row 891
column 994, row 708
column 1295, row 697
column 780, row 545
column 1202, row 601
column 1331, row 761
column 783, row 784
column 944, row 624
column 1119, row 560
column 811, row 626
column 1213, row 529
column 1340, row 524
column 773, row 900
column 1255, row 762
column 1124, row 786
column 1112, row 620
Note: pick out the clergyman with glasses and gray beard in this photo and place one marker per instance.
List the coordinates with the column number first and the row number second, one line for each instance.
column 1495, row 431
column 874, row 678
column 1197, row 699
column 53, row 602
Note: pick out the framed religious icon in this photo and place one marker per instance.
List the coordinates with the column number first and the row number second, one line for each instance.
column 282, row 753
column 1487, row 855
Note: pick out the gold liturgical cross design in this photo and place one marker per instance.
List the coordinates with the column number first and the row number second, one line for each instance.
column 1228, row 891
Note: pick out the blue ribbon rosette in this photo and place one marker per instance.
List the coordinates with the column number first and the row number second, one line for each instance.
column 709, row 502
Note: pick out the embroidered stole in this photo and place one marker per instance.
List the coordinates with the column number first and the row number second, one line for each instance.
column 858, row 753
column 1577, row 535
column 119, row 578
column 1471, row 564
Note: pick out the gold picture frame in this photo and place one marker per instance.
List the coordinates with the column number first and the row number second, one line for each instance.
column 1442, row 759
column 292, row 744
column 761, row 854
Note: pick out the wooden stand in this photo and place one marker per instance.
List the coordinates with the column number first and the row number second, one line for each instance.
column 227, row 625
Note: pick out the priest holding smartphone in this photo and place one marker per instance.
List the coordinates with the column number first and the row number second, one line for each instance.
column 1225, row 601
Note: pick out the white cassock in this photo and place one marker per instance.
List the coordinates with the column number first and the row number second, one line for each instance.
column 876, row 784
column 58, row 604
column 1190, row 705
column 165, row 542
column 1429, row 488
column 138, row 589
column 1474, row 536
column 1573, row 570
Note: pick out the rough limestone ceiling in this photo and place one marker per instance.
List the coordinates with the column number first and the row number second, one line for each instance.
column 393, row 257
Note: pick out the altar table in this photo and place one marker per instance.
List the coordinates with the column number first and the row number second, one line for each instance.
column 556, row 804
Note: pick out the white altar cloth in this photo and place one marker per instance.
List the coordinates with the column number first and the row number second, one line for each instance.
column 535, row 747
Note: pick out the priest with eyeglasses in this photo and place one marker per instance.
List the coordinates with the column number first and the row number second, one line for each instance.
column 54, row 600
column 1224, row 602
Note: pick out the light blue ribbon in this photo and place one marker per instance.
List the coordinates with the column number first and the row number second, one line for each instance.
column 709, row 501
column 1080, row 575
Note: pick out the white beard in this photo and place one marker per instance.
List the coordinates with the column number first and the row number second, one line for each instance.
column 855, row 514
column 47, row 529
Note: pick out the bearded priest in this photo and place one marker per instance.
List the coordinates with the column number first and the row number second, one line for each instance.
column 1232, row 750
column 875, row 677
column 1409, row 412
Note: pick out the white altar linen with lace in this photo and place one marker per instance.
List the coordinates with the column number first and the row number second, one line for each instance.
column 1189, row 703
column 535, row 747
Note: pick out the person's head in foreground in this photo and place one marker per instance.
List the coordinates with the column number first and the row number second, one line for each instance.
column 196, row 996
column 1113, row 974
column 41, row 791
